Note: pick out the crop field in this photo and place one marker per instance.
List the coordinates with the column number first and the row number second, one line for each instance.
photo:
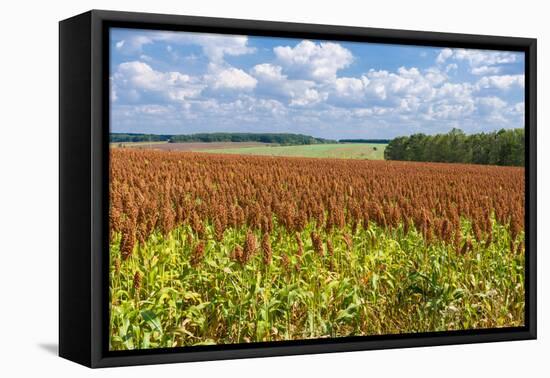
column 212, row 248
column 369, row 151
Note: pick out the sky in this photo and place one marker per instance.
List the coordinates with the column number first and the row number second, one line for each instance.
column 165, row 82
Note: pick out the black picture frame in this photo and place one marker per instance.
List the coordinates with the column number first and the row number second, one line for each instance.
column 83, row 181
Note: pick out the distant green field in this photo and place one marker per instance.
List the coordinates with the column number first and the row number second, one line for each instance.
column 370, row 151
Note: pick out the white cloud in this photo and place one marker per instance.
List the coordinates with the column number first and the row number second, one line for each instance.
column 491, row 102
column 134, row 44
column 112, row 85
column 152, row 109
column 351, row 87
column 493, row 110
column 405, row 82
column 480, row 62
column 249, row 106
column 142, row 76
column 478, row 58
column 502, row 82
column 304, row 85
column 298, row 92
column 269, row 105
column 409, row 94
column 485, row 70
column 519, row 108
column 308, row 97
column 451, row 67
column 444, row 55
column 230, row 78
column 318, row 61
column 457, row 91
column 452, row 111
column 137, row 77
column 217, row 46
column 214, row 46
column 268, row 72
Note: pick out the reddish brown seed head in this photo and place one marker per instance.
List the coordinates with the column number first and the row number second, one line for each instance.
column 317, row 243
column 198, row 253
column 237, row 254
column 330, row 248
column 300, row 250
column 285, row 261
column 137, row 280
column 117, row 265
column 348, row 240
column 127, row 241
column 250, row 246
column 266, row 249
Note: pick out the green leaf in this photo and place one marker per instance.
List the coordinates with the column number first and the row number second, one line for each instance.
column 152, row 320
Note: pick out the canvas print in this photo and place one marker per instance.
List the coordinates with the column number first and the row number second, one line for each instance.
column 269, row 189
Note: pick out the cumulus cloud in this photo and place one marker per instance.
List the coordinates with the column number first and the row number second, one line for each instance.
column 519, row 108
column 451, row 67
column 444, row 55
column 480, row 62
column 502, row 82
column 214, row 46
column 493, row 109
column 268, row 72
column 485, row 70
column 203, row 115
column 133, row 44
column 308, row 97
column 478, row 58
column 318, row 61
column 230, row 78
column 351, row 87
column 491, row 103
column 407, row 94
column 136, row 78
column 112, row 87
column 405, row 82
column 297, row 92
column 310, row 87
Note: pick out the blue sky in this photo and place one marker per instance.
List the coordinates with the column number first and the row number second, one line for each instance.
column 183, row 83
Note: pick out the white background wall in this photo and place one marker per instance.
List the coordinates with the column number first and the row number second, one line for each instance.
column 29, row 186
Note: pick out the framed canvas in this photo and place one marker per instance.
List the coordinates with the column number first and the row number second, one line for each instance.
column 235, row 188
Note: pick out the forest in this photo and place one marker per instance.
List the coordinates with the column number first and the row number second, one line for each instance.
column 136, row 138
column 276, row 138
column 502, row 147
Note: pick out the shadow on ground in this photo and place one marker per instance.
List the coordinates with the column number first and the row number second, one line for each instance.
column 51, row 348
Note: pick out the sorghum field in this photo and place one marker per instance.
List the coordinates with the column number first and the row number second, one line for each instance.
column 216, row 249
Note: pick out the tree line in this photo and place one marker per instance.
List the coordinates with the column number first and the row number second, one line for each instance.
column 277, row 138
column 134, row 138
column 502, row 147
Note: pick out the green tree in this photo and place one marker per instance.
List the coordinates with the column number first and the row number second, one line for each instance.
column 502, row 147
